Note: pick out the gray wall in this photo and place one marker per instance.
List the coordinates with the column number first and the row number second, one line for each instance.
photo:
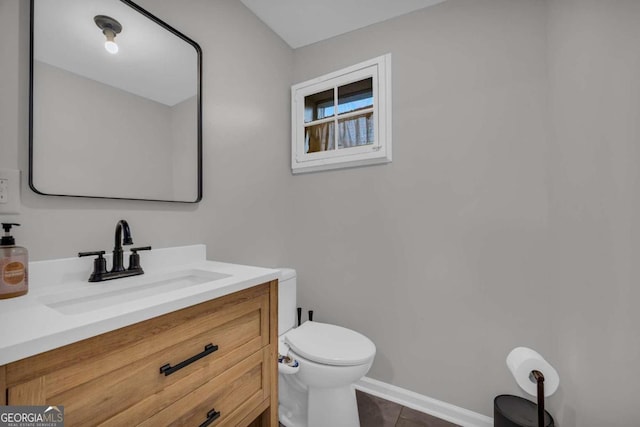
column 594, row 161
column 437, row 255
column 508, row 216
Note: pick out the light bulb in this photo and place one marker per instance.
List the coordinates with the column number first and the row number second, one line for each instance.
column 111, row 47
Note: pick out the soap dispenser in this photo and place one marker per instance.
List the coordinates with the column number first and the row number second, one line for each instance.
column 14, row 264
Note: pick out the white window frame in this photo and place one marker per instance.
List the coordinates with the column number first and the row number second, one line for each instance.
column 379, row 69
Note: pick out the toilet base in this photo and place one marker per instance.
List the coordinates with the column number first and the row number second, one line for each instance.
column 336, row 407
column 292, row 395
column 288, row 418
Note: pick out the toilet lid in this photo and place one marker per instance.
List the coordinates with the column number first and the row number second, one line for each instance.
column 330, row 344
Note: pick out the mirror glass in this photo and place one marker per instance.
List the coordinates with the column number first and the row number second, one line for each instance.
column 123, row 125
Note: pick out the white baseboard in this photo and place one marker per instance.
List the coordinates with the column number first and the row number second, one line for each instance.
column 419, row 402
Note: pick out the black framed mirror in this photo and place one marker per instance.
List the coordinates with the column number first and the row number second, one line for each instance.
column 115, row 107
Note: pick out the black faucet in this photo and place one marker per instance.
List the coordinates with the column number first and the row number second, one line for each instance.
column 122, row 237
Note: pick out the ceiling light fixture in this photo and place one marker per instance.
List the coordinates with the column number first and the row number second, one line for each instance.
column 110, row 27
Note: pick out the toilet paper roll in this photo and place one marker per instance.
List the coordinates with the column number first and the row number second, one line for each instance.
column 522, row 360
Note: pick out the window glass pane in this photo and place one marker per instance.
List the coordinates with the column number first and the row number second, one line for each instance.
column 325, row 109
column 355, row 96
column 355, row 131
column 319, row 137
column 318, row 106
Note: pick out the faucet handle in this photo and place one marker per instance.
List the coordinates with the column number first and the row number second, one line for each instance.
column 99, row 264
column 98, row 253
column 134, row 258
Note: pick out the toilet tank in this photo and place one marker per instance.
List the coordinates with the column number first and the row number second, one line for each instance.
column 286, row 300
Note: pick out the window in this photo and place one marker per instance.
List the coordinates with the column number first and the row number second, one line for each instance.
column 343, row 119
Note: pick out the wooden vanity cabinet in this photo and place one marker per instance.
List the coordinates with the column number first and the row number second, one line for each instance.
column 115, row 379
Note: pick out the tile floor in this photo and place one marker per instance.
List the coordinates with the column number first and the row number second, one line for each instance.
column 377, row 412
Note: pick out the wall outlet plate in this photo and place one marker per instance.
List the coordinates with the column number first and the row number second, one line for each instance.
column 9, row 191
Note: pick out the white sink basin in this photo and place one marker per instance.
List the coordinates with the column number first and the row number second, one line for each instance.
column 95, row 296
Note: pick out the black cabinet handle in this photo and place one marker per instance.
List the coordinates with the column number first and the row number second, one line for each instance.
column 212, row 415
column 168, row 369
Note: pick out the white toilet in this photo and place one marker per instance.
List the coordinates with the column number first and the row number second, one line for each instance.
column 316, row 386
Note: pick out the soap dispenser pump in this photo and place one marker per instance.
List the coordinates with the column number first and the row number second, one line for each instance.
column 14, row 264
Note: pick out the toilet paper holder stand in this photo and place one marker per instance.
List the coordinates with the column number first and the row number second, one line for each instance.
column 538, row 377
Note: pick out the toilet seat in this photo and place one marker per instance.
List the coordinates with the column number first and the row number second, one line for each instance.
column 330, row 344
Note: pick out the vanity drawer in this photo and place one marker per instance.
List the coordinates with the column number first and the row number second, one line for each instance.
column 232, row 394
column 117, row 374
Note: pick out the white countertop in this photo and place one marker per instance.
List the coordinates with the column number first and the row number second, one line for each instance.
column 33, row 323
